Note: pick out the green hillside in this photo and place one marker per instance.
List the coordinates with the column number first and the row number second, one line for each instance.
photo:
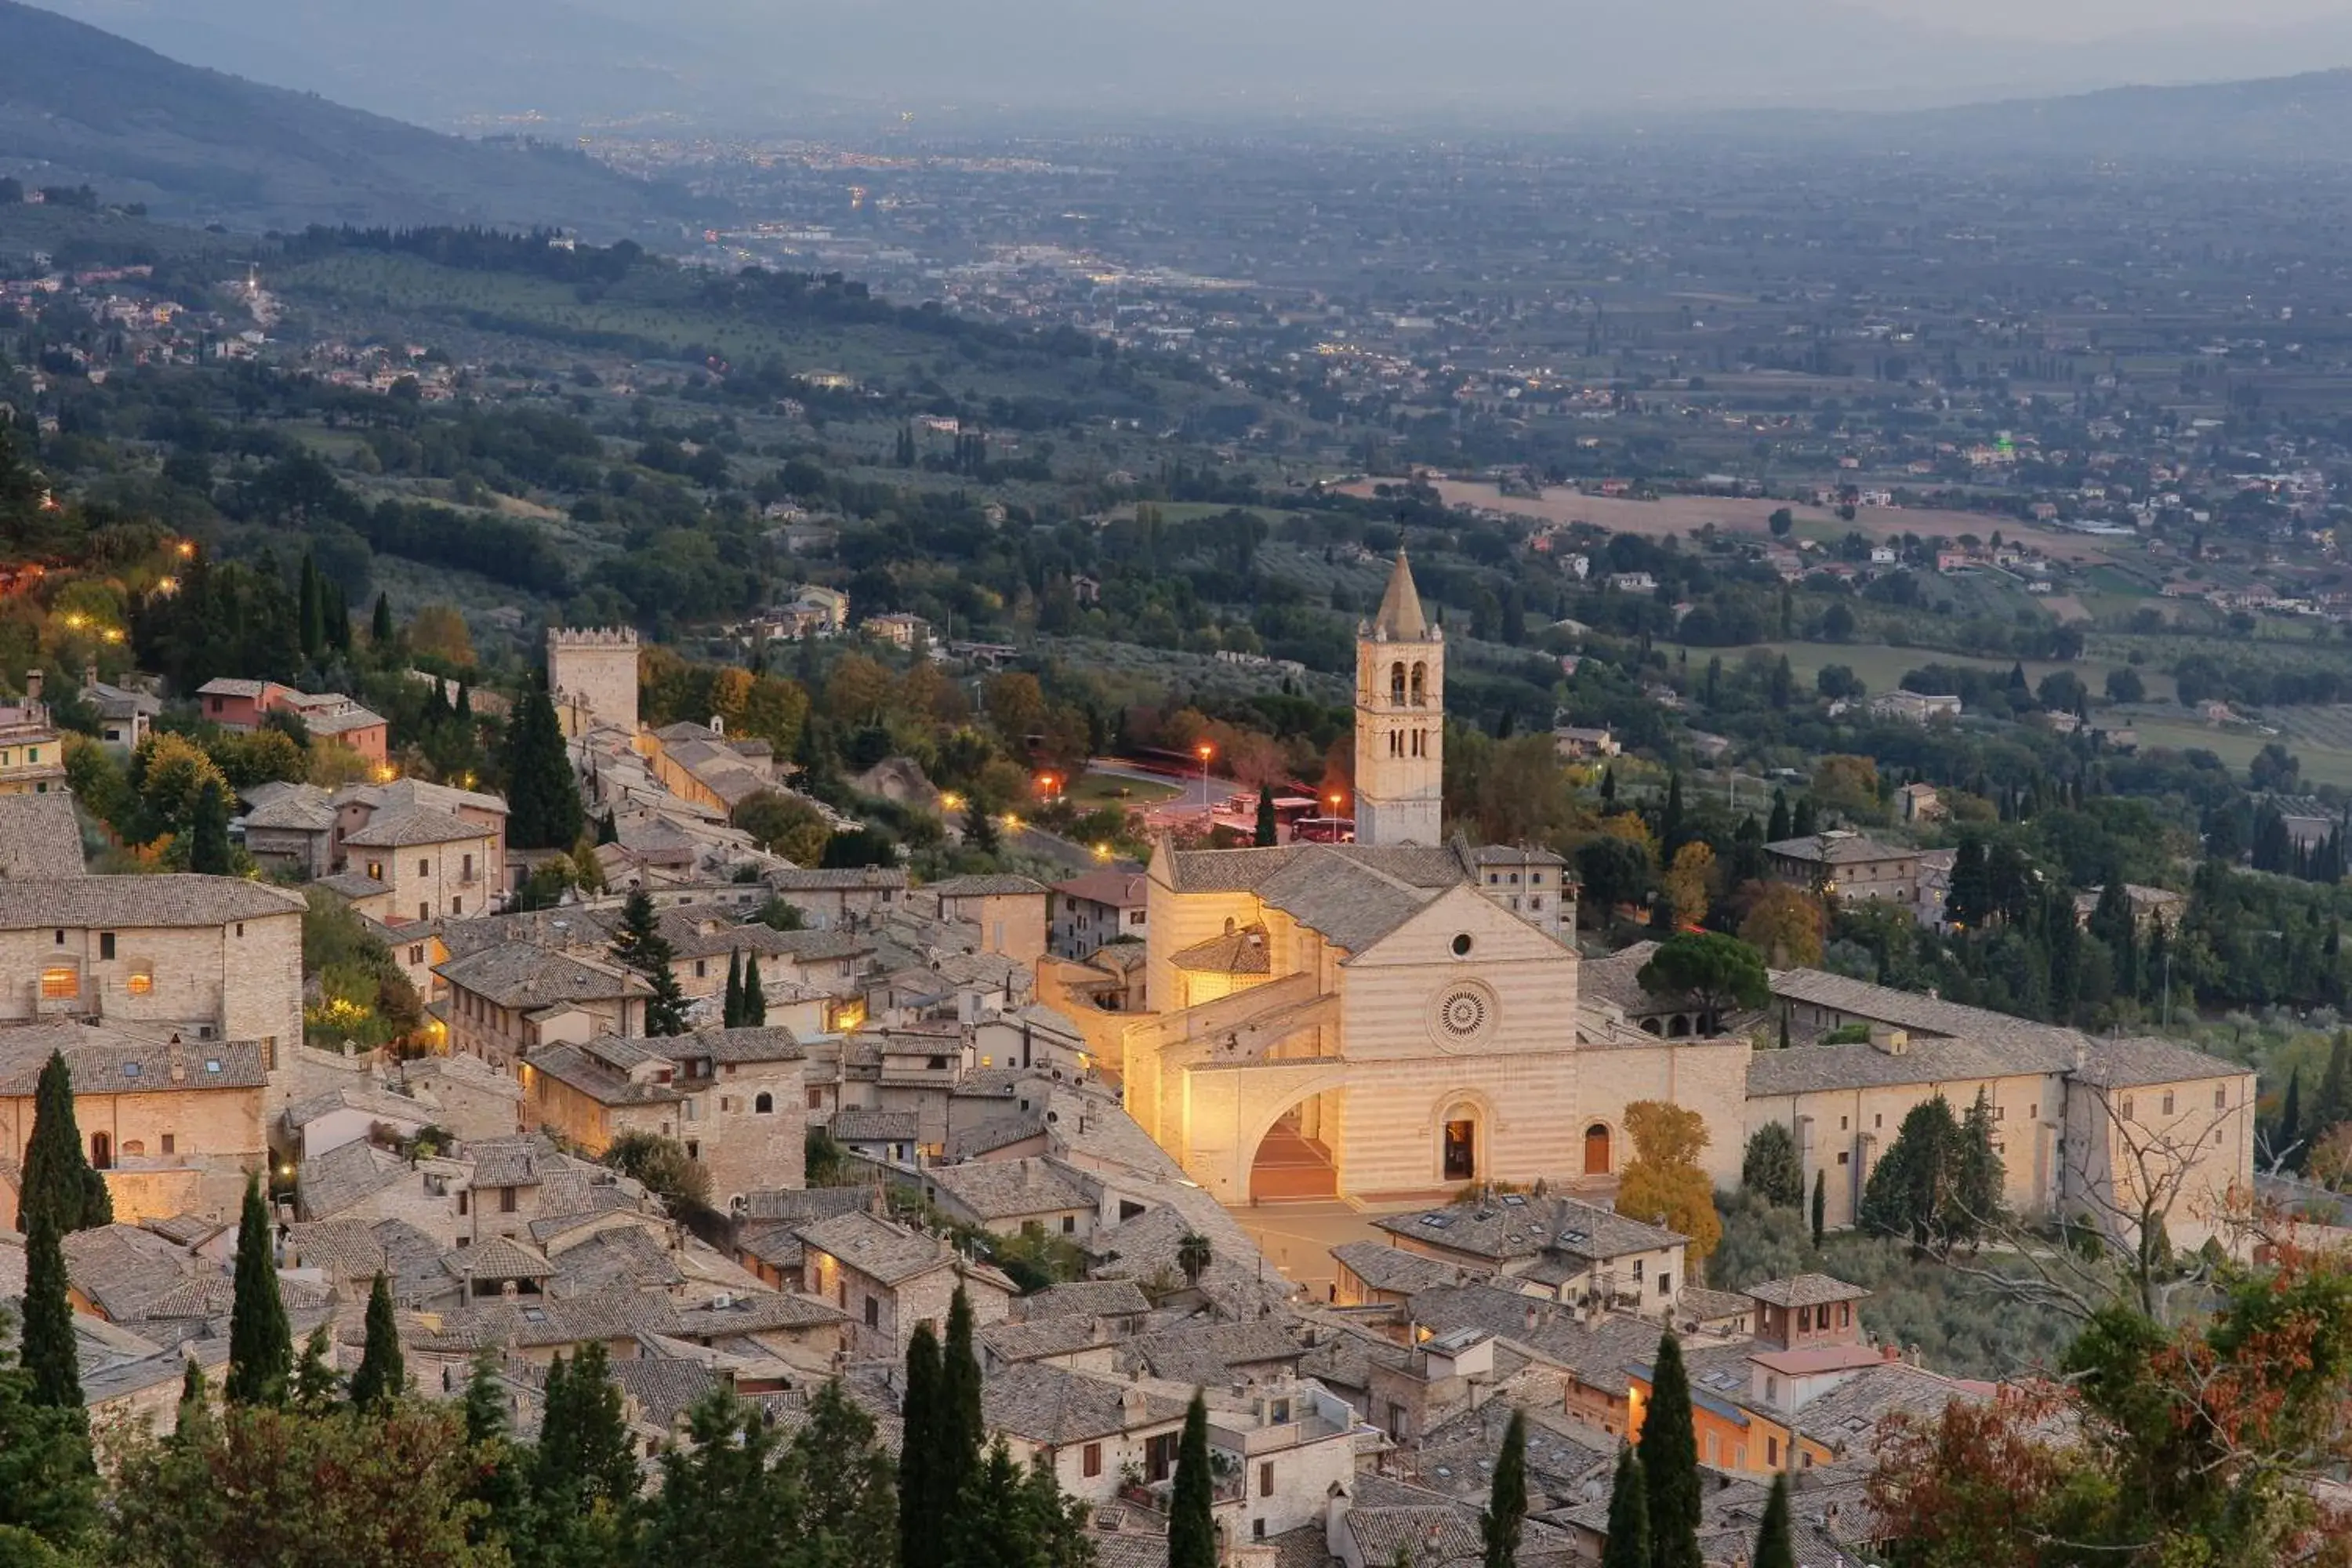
column 78, row 105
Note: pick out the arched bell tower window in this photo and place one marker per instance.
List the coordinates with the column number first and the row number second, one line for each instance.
column 1396, row 682
column 1420, row 685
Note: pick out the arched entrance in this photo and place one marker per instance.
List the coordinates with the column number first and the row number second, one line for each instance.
column 1458, row 1145
column 1596, row 1149
column 102, row 1152
column 1297, row 1159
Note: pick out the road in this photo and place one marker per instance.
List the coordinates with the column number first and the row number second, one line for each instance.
column 1297, row 1239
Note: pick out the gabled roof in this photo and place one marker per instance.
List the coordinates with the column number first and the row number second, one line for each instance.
column 989, row 886
column 39, row 835
column 30, row 903
column 102, row 1060
column 1805, row 1290
column 890, row 1253
column 520, row 975
column 391, row 829
column 1051, row 1405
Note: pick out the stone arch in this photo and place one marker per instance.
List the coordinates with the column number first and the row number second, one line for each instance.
column 102, row 1152
column 1456, row 1105
column 1420, row 684
column 1306, row 1165
column 1600, row 1149
column 1396, row 683
column 763, row 1104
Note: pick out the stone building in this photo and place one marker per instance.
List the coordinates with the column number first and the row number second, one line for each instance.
column 591, row 674
column 1376, row 1017
column 1010, row 912
column 888, row 1278
column 430, row 862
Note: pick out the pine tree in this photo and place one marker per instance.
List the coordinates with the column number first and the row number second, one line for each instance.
column 1672, row 826
column 1609, row 784
column 56, row 1172
column 2334, row 1087
column 48, row 1485
column 730, row 1012
column 755, row 996
column 1669, row 1450
column 260, row 1344
column 1977, row 1195
column 339, row 617
column 1507, row 1501
column 586, row 1473
column 1628, row 1515
column 208, row 851
column 47, row 1344
column 640, row 945
column 1778, row 827
column 1820, row 1205
column 1771, row 1167
column 543, row 809
column 961, row 1430
column 380, row 627
column 722, row 1500
column 315, row 1383
column 382, row 1374
column 1804, row 822
column 1192, row 1529
column 1269, row 830
column 502, row 1477
column 920, row 1504
column 1775, row 1548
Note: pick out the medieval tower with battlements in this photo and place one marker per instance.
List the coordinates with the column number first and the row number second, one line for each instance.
column 591, row 674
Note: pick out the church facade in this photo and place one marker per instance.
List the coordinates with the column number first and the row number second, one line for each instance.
column 1397, row 1015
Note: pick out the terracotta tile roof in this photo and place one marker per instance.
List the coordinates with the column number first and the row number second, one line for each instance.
column 1805, row 1290
column 30, row 903
column 39, row 835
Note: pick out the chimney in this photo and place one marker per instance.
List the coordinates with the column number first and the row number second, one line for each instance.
column 1531, row 1317
column 89, row 675
column 179, row 1060
column 33, row 688
column 1890, row 1041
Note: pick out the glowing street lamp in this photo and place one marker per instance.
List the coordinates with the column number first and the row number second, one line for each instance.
column 1049, row 786
column 1204, row 751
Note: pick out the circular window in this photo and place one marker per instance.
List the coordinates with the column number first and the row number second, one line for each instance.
column 1463, row 1015
column 1461, row 945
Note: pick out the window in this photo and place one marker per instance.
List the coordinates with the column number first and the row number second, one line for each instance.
column 2033, row 1112
column 816, row 1100
column 2220, row 1099
column 424, row 868
column 1804, row 1319
column 376, row 871
column 462, row 1196
column 1090, row 1460
column 58, row 939
column 1841, row 1124
column 1771, row 1387
column 2127, row 1108
column 469, row 868
column 693, row 1150
column 1844, row 1158
column 60, row 983
column 763, row 1104
column 171, row 1142
column 1070, row 1221
column 141, row 982
column 506, row 1200
column 1257, row 1530
column 1637, row 1270
column 873, row 1312
column 424, row 910
column 1772, row 1452
column 1265, row 1478
column 456, row 906
column 2001, row 1113
column 2167, row 1102
column 106, row 945
column 416, row 955
column 1845, row 1314
column 1665, row 1284
column 702, row 969
column 1461, row 945
column 1160, row 1457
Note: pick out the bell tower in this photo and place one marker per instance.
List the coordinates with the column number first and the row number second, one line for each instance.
column 1400, row 719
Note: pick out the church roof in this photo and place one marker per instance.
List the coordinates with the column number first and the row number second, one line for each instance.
column 1400, row 617
column 1351, row 894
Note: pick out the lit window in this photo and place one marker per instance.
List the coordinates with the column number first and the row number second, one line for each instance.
column 60, row 983
column 141, row 982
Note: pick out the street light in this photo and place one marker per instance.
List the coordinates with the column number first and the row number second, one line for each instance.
column 1205, row 750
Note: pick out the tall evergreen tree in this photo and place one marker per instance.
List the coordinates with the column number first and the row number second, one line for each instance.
column 1977, row 1195
column 1669, row 1450
column 1674, row 828
column 1609, row 784
column 2286, row 1145
column 380, row 631
column 1771, row 1167
column 962, row 1429
column 56, row 1172
column 730, row 1011
column 1191, row 1528
column 500, row 1476
column 1780, row 827
column 755, row 996
column 311, row 612
column 1805, row 821
column 1775, row 1546
column 640, row 946
column 723, row 1501
column 1628, row 1515
column 261, row 1342
column 920, row 1504
column 850, row 1508
column 47, row 1344
column 48, row 1487
column 312, row 1389
column 1269, row 829
column 2334, row 1087
column 1507, row 1499
column 543, row 809
column 339, row 617
column 208, row 851
column 383, row 1373
column 584, row 1480
column 1820, row 1205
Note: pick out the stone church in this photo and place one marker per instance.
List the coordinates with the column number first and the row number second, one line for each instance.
column 1397, row 1015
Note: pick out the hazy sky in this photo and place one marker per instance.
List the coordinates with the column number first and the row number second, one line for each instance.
column 2095, row 18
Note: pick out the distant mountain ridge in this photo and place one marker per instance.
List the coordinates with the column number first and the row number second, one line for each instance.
column 78, row 104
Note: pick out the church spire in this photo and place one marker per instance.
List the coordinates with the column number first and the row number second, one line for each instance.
column 1400, row 618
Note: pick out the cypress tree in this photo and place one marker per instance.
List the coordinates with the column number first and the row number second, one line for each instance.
column 1191, row 1530
column 961, row 1431
column 608, row 831
column 57, row 1174
column 2335, row 1086
column 1669, row 1449
column 755, row 998
column 379, row 628
column 382, row 1374
column 46, row 1347
column 920, row 1522
column 730, row 1012
column 640, row 946
column 311, row 612
column 1820, row 1205
column 339, row 619
column 1507, row 1499
column 1269, row 831
column 1672, row 829
column 260, row 1344
column 1628, row 1515
column 2290, row 1126
column 1778, row 827
column 1774, row 1546
column 543, row 809
column 208, row 851
column 464, row 711
column 585, row 1453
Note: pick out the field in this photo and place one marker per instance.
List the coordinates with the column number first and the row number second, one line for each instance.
column 1095, row 790
column 1675, row 515
column 1882, row 666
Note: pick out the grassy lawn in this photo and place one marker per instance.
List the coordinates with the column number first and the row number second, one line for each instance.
column 1097, row 790
column 1882, row 666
